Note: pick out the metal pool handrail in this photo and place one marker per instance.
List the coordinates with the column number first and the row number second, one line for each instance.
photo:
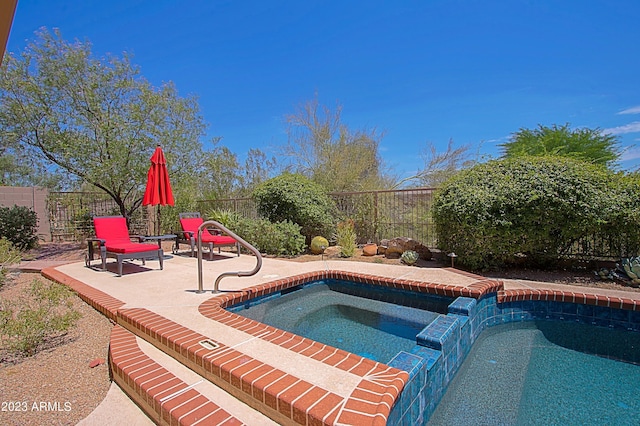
column 242, row 242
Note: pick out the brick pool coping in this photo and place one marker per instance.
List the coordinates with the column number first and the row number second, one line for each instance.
column 280, row 395
column 505, row 296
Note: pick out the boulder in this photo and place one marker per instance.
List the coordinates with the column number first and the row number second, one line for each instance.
column 370, row 250
column 396, row 246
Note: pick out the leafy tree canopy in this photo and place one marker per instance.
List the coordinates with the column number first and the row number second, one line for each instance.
column 94, row 120
column 589, row 145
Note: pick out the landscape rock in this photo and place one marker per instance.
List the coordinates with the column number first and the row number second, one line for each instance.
column 370, row 250
column 396, row 246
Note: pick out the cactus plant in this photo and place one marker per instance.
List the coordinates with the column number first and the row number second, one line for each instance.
column 319, row 244
column 409, row 257
column 631, row 267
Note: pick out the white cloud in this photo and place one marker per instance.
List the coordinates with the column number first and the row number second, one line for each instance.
column 633, row 127
column 632, row 110
column 630, row 153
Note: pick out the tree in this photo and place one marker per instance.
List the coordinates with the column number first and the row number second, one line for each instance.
column 440, row 166
column 257, row 169
column 222, row 175
column 590, row 145
column 325, row 150
column 95, row 120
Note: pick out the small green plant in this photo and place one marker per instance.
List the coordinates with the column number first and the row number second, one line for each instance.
column 319, row 244
column 409, row 257
column 346, row 238
column 225, row 217
column 8, row 256
column 44, row 311
column 631, row 267
column 20, row 226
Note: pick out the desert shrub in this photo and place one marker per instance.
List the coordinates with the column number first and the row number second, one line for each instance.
column 527, row 209
column 275, row 238
column 19, row 225
column 619, row 230
column 409, row 257
column 8, row 255
column 225, row 217
column 44, row 311
column 345, row 237
column 318, row 244
column 295, row 198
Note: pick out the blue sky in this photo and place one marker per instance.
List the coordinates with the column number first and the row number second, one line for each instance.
column 420, row 71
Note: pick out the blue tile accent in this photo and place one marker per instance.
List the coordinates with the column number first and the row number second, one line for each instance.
column 407, row 362
column 463, row 306
column 436, row 334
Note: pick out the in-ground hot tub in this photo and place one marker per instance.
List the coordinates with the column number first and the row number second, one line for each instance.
column 373, row 322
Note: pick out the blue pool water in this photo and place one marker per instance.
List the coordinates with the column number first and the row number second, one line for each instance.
column 546, row 373
column 373, row 323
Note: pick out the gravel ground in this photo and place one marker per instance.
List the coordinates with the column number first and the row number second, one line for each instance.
column 56, row 386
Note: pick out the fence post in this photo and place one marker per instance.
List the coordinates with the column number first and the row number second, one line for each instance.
column 375, row 215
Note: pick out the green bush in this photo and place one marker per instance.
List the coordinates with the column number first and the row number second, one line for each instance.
column 526, row 210
column 279, row 238
column 620, row 228
column 44, row 311
column 346, row 238
column 295, row 198
column 20, row 226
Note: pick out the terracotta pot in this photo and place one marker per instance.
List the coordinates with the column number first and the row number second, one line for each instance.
column 370, row 250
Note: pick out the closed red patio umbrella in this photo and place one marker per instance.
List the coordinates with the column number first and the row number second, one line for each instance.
column 158, row 190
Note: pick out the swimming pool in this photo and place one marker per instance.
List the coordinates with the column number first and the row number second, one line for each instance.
column 374, row 323
column 546, row 372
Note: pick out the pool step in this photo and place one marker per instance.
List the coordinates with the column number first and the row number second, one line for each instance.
column 274, row 392
column 169, row 393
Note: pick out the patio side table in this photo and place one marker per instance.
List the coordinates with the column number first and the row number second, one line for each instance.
column 159, row 238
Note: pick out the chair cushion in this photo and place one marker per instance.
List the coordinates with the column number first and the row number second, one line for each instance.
column 111, row 228
column 191, row 224
column 218, row 240
column 126, row 246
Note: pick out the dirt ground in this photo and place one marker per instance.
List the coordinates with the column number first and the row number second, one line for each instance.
column 57, row 385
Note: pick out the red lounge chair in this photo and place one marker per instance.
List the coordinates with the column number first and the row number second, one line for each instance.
column 189, row 235
column 113, row 236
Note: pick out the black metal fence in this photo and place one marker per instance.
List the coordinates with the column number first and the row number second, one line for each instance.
column 376, row 214
column 71, row 213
